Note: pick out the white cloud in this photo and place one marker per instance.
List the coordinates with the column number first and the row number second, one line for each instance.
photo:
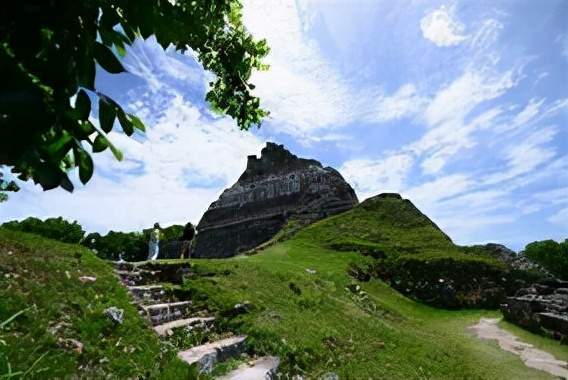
column 486, row 35
column 429, row 193
column 302, row 91
column 447, row 113
column 466, row 92
column 306, row 95
column 524, row 157
column 405, row 102
column 560, row 217
column 371, row 177
column 442, row 27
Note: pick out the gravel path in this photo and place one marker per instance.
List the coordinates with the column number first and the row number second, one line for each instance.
column 487, row 328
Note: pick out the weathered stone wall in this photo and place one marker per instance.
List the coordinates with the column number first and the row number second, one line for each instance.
column 273, row 187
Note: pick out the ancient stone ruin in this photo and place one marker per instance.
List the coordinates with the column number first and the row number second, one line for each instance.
column 542, row 308
column 273, row 188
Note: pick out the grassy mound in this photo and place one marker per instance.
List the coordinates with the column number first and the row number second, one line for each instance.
column 59, row 329
column 318, row 319
column 414, row 255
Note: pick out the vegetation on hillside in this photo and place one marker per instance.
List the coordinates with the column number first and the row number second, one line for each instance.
column 132, row 246
column 49, row 52
column 51, row 228
column 552, row 255
column 308, row 306
column 414, row 255
column 60, row 329
column 308, row 310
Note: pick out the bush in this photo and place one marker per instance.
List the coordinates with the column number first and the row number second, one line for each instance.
column 132, row 246
column 552, row 255
column 52, row 228
column 450, row 281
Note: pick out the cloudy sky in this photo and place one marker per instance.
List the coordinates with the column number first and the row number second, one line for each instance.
column 461, row 106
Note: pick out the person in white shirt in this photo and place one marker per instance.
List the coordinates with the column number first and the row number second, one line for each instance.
column 154, row 244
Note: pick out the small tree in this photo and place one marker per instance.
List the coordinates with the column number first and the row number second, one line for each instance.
column 552, row 255
column 48, row 54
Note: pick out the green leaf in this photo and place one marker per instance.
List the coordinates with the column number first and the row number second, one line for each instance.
column 107, row 113
column 137, row 123
column 126, row 124
column 106, row 58
column 83, row 105
column 85, row 163
column 48, row 176
column 115, row 151
column 100, row 144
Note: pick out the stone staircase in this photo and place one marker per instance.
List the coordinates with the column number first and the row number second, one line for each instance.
column 167, row 315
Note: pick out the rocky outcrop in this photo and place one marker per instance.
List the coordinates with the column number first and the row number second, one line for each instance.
column 542, row 308
column 273, row 188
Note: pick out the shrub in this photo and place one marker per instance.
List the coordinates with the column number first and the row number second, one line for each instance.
column 552, row 255
column 52, row 228
column 132, row 246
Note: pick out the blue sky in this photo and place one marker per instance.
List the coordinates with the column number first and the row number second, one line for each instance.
column 461, row 106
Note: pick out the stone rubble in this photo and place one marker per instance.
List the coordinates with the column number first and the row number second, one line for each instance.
column 542, row 308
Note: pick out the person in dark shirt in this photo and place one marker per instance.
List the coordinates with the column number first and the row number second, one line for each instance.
column 187, row 237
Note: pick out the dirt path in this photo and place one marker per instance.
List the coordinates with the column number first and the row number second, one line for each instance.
column 487, row 328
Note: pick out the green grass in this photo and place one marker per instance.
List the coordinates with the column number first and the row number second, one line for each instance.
column 40, row 277
column 376, row 333
column 315, row 322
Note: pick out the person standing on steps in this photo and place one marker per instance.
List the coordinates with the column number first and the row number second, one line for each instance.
column 154, row 243
column 187, row 237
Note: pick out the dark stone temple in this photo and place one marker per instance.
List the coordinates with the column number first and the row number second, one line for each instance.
column 273, row 188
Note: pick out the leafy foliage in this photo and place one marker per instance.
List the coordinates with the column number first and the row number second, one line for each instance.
column 48, row 55
column 131, row 246
column 552, row 255
column 6, row 186
column 52, row 228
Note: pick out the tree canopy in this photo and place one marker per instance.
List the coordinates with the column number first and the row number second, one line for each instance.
column 49, row 50
column 552, row 255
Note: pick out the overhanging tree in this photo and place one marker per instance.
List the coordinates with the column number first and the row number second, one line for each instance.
column 48, row 55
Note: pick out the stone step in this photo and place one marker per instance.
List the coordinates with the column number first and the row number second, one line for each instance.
column 137, row 277
column 167, row 312
column 166, row 328
column 263, row 368
column 148, row 293
column 206, row 355
column 123, row 265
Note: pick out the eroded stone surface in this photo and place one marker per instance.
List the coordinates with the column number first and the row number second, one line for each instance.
column 206, row 355
column 487, row 328
column 541, row 308
column 273, row 188
column 260, row 369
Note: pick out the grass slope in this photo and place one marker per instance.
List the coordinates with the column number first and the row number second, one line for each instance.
column 317, row 325
column 326, row 321
column 41, row 278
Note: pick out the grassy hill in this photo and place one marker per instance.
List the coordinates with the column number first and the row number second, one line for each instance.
column 312, row 305
column 311, row 310
column 329, row 322
column 415, row 256
column 59, row 329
